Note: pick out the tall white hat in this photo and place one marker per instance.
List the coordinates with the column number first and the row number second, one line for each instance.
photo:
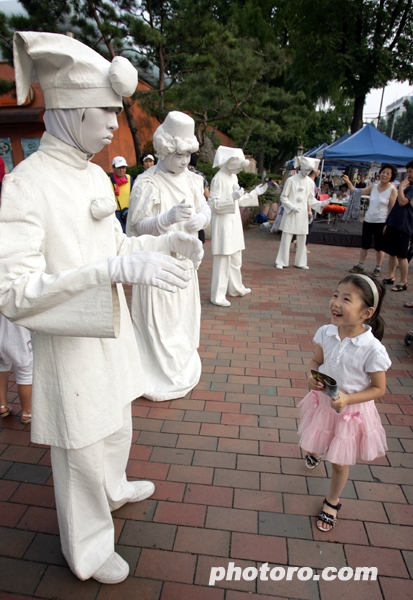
column 225, row 154
column 306, row 163
column 179, row 125
column 175, row 134
column 71, row 74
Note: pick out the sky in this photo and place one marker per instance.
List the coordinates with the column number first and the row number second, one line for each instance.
column 393, row 91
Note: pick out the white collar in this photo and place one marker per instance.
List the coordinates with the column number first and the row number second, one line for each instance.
column 359, row 340
column 49, row 144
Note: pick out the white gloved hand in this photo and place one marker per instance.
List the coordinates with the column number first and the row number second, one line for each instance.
column 261, row 189
column 238, row 193
column 178, row 213
column 186, row 245
column 149, row 268
column 296, row 209
column 325, row 202
column 196, row 222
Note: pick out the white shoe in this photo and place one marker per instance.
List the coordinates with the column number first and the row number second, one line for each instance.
column 303, row 267
column 140, row 491
column 114, row 570
column 279, row 266
column 143, row 490
column 243, row 293
column 225, row 302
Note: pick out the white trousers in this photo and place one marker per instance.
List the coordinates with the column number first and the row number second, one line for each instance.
column 283, row 256
column 226, row 276
column 89, row 483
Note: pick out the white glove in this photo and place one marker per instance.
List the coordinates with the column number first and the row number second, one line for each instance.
column 325, row 202
column 186, row 245
column 238, row 193
column 296, row 209
column 196, row 222
column 149, row 268
column 178, row 213
column 261, row 189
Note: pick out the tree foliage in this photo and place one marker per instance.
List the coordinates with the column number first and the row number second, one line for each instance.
column 255, row 69
column 344, row 51
column 402, row 128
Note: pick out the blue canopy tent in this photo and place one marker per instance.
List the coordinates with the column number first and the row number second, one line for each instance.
column 321, row 155
column 366, row 146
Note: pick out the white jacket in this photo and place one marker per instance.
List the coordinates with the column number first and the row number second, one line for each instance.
column 227, row 236
column 298, row 192
column 54, row 280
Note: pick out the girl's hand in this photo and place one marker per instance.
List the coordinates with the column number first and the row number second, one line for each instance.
column 341, row 402
column 313, row 384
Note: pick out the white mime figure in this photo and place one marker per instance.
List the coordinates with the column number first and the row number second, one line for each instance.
column 227, row 236
column 168, row 197
column 63, row 257
column 297, row 199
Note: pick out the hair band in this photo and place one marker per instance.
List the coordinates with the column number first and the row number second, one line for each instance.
column 373, row 289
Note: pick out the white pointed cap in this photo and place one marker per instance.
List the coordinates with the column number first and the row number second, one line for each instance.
column 307, row 163
column 71, row 74
column 225, row 154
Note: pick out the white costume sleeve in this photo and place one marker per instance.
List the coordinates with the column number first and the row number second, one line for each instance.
column 288, row 206
column 205, row 212
column 219, row 201
column 153, row 225
column 71, row 302
column 141, row 218
column 249, row 199
column 316, row 205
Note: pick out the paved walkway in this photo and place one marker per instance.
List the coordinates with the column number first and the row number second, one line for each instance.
column 230, row 483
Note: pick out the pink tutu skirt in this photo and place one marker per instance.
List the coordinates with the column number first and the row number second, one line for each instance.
column 354, row 433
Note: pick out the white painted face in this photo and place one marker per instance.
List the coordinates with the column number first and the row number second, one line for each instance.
column 97, row 128
column 177, row 163
column 305, row 172
column 234, row 166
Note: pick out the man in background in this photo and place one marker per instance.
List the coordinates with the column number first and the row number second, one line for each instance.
column 122, row 186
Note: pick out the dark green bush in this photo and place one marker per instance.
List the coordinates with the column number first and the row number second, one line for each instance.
column 248, row 180
column 207, row 170
column 134, row 171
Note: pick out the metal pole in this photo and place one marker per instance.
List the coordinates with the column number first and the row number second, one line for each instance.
column 381, row 104
column 321, row 171
column 392, row 125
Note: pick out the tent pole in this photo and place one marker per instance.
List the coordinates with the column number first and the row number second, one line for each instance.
column 321, row 171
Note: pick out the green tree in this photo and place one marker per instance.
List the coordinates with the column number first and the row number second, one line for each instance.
column 98, row 24
column 344, row 51
column 403, row 127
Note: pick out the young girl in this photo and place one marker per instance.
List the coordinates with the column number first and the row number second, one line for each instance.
column 16, row 352
column 348, row 350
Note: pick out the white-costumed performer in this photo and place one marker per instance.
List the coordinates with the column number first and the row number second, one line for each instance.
column 63, row 257
column 169, row 197
column 297, row 199
column 227, row 236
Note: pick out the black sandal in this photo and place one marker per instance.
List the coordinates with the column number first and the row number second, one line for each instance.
column 400, row 287
column 389, row 281
column 311, row 462
column 326, row 517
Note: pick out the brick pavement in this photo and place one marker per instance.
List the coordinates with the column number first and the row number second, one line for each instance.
column 230, row 484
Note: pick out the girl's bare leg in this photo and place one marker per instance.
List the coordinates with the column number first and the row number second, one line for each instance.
column 338, row 481
column 4, row 379
column 25, row 397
